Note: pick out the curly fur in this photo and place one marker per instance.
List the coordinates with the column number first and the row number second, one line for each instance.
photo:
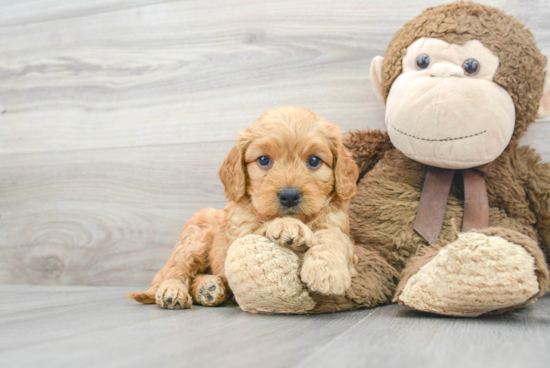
column 319, row 224
column 369, row 148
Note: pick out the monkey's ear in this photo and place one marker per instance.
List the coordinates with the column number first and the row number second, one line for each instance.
column 376, row 76
column 232, row 172
column 544, row 108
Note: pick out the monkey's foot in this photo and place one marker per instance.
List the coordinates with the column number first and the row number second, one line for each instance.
column 265, row 277
column 208, row 290
column 480, row 272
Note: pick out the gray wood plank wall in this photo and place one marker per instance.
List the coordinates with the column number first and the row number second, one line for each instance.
column 119, row 112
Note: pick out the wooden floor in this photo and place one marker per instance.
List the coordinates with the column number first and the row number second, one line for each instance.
column 98, row 327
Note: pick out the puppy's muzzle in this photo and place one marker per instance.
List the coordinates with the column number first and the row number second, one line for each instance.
column 289, row 197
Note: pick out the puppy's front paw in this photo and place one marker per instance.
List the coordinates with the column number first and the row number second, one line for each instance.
column 172, row 294
column 288, row 232
column 325, row 277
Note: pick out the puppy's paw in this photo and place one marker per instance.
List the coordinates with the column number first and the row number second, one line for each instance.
column 172, row 294
column 208, row 290
column 325, row 276
column 288, row 232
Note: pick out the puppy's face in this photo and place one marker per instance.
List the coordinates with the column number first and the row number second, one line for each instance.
column 292, row 163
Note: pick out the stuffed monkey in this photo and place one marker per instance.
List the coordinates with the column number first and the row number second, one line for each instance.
column 451, row 216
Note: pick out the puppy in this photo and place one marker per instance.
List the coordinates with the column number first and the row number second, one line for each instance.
column 288, row 178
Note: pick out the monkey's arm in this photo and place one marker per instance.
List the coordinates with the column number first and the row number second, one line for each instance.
column 538, row 191
column 367, row 147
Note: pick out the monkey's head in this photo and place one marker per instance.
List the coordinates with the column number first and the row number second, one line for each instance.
column 460, row 82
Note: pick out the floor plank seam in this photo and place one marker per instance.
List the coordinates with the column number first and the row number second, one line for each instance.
column 324, row 347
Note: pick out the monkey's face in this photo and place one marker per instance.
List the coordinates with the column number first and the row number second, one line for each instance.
column 445, row 110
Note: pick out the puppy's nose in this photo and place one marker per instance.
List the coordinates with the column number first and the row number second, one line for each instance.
column 289, row 197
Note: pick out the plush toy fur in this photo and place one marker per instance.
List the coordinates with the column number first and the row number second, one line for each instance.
column 518, row 188
column 247, row 260
column 521, row 70
column 265, row 278
column 490, row 270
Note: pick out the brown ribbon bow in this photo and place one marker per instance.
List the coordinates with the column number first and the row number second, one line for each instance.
column 435, row 193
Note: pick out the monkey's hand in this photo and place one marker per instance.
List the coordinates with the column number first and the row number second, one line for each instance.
column 288, row 232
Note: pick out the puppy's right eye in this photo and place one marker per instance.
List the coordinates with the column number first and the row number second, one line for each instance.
column 264, row 161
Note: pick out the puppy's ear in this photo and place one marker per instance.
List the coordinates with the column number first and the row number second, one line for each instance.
column 346, row 173
column 232, row 172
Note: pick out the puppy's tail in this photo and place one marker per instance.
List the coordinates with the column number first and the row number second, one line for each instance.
column 145, row 297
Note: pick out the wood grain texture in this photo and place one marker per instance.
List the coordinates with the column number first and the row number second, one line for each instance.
column 98, row 327
column 193, row 71
column 18, row 13
column 118, row 114
column 102, row 217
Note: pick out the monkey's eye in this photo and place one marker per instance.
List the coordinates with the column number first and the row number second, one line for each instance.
column 264, row 162
column 471, row 67
column 314, row 162
column 422, row 61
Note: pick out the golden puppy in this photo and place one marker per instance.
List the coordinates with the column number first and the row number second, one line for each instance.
column 288, row 178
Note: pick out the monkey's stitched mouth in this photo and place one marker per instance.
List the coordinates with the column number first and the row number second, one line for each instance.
column 438, row 140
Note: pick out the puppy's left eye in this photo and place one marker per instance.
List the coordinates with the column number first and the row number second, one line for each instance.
column 314, row 162
column 264, row 162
